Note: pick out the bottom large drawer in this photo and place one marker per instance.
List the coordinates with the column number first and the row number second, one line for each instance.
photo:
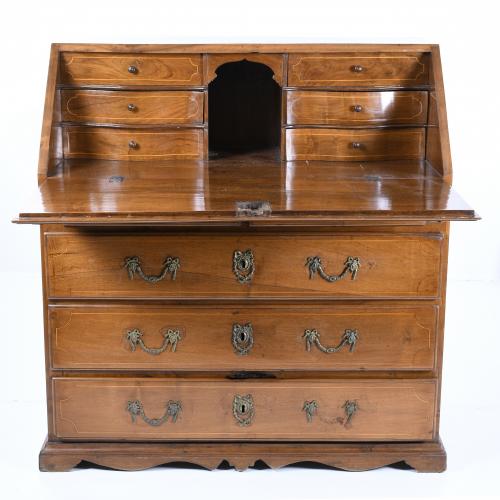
column 206, row 409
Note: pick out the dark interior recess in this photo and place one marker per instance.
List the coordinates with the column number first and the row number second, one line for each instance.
column 244, row 109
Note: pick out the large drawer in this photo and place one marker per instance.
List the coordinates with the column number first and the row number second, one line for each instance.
column 133, row 144
column 130, row 69
column 109, row 106
column 353, row 145
column 247, row 338
column 162, row 409
column 242, row 265
column 354, row 69
column 312, row 107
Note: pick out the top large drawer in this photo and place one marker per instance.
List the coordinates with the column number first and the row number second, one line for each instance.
column 354, row 69
column 131, row 69
column 242, row 266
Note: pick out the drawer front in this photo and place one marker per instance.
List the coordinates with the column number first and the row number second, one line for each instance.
column 131, row 69
column 350, row 69
column 133, row 144
column 242, row 266
column 353, row 145
column 107, row 106
column 247, row 338
column 356, row 108
column 348, row 410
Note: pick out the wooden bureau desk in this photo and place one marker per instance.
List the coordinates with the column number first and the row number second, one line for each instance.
column 244, row 253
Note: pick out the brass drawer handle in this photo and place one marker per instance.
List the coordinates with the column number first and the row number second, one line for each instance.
column 356, row 145
column 243, row 409
column 242, row 338
column 350, row 408
column 357, row 108
column 132, row 107
column 133, row 69
column 136, row 409
column 171, row 337
column 349, row 338
column 351, row 265
column 170, row 265
column 357, row 68
column 133, row 145
column 311, row 408
column 243, row 266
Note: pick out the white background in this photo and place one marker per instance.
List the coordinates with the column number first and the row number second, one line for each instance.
column 468, row 33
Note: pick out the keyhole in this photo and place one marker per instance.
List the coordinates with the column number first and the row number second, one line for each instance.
column 243, row 408
column 242, row 336
column 243, row 265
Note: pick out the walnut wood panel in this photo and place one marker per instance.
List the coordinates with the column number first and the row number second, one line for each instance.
column 305, row 107
column 352, row 69
column 80, row 68
column 389, row 338
column 427, row 456
column 338, row 144
column 105, row 106
column 88, row 265
column 133, row 144
column 396, row 410
column 273, row 61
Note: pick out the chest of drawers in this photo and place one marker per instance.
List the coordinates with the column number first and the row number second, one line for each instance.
column 244, row 254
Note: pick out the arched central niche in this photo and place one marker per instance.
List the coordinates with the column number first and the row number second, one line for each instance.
column 244, row 109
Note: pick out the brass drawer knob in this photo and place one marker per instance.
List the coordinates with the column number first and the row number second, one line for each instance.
column 349, row 338
column 356, row 145
column 357, row 68
column 170, row 337
column 351, row 265
column 132, row 107
column 242, row 338
column 243, row 409
column 350, row 408
column 133, row 145
column 170, row 266
column 243, row 265
column 133, row 70
column 310, row 408
column 136, row 409
column 357, row 108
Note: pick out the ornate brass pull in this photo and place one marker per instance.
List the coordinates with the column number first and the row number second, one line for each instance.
column 350, row 408
column 170, row 265
column 310, row 407
column 133, row 70
column 243, row 265
column 349, row 338
column 351, row 265
column 242, row 338
column 243, row 409
column 136, row 409
column 171, row 337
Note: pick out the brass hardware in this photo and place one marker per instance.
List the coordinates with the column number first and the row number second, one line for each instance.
column 170, row 265
column 133, row 70
column 310, row 407
column 253, row 208
column 351, row 265
column 133, row 144
column 116, row 178
column 171, row 337
column 356, row 145
column 136, row 409
column 357, row 68
column 243, row 265
column 132, row 107
column 243, row 409
column 357, row 108
column 242, row 338
column 349, row 338
column 350, row 408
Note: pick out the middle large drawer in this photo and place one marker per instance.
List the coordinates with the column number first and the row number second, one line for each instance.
column 302, row 266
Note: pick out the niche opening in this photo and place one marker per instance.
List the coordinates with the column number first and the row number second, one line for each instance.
column 244, row 109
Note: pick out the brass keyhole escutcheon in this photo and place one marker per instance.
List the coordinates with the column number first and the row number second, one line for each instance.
column 242, row 338
column 243, row 409
column 243, row 265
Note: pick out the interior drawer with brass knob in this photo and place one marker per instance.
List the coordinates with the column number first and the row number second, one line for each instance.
column 133, row 144
column 357, row 69
column 125, row 107
column 351, row 145
column 131, row 69
column 264, row 337
column 228, row 266
column 313, row 107
column 207, row 409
